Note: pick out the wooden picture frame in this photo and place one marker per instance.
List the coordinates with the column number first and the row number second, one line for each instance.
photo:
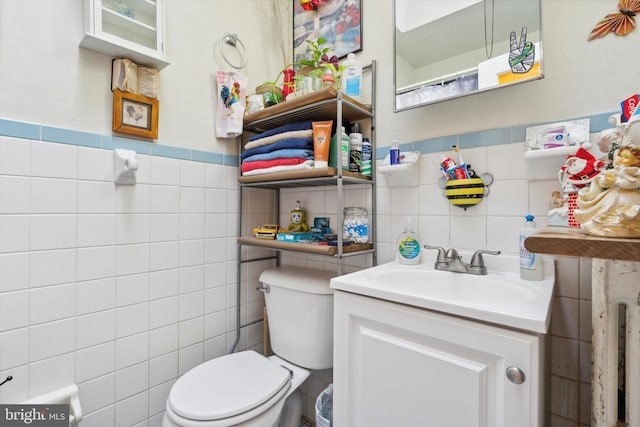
column 135, row 114
column 339, row 22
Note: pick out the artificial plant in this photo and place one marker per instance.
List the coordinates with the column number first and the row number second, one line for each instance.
column 315, row 61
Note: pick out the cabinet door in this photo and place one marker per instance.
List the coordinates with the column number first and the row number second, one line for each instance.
column 397, row 365
column 126, row 28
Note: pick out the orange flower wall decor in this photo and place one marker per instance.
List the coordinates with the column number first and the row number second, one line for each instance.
column 621, row 23
column 311, row 4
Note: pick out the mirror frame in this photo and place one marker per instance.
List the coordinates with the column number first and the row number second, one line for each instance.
column 396, row 109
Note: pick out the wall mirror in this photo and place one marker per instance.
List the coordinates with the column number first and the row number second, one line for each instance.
column 445, row 49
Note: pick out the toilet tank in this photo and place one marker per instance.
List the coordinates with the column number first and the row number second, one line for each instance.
column 300, row 314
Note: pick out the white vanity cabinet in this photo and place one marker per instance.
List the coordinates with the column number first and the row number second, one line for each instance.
column 132, row 29
column 398, row 365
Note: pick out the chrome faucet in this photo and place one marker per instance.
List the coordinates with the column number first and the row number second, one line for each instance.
column 450, row 260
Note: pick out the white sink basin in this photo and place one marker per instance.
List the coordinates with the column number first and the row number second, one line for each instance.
column 499, row 297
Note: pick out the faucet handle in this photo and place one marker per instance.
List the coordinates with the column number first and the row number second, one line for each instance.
column 477, row 260
column 441, row 253
column 452, row 253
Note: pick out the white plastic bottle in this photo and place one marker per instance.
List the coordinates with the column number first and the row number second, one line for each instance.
column 352, row 77
column 408, row 246
column 530, row 265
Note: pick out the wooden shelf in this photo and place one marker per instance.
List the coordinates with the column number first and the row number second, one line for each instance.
column 303, row 178
column 574, row 242
column 311, row 248
column 321, row 105
column 317, row 106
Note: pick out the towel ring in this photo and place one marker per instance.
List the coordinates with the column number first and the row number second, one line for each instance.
column 233, row 40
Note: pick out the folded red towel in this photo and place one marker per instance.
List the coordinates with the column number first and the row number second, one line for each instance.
column 262, row 164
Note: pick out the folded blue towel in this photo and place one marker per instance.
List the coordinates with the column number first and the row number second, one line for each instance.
column 304, row 143
column 285, row 128
column 286, row 153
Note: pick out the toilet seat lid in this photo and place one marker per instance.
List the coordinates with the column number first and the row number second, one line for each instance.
column 227, row 386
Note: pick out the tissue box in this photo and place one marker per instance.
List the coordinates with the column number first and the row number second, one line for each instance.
column 296, row 236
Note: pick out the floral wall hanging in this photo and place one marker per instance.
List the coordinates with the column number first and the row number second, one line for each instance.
column 338, row 22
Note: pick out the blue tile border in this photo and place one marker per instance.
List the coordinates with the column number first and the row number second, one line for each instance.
column 170, row 152
column 485, row 138
column 65, row 136
column 35, row 132
column 207, row 157
column 19, row 129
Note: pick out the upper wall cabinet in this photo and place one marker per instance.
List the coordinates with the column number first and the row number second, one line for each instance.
column 132, row 29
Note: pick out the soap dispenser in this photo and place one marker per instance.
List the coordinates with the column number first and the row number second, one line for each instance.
column 408, row 246
column 530, row 265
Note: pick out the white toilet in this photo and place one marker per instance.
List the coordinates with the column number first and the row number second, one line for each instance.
column 249, row 390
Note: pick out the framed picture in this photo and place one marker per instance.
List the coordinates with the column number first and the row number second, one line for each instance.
column 338, row 21
column 135, row 114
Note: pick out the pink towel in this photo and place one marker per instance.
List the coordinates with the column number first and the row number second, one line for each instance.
column 262, row 164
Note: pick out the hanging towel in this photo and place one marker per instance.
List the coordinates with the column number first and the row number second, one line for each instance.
column 232, row 88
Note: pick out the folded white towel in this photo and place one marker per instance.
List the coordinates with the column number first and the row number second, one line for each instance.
column 286, row 168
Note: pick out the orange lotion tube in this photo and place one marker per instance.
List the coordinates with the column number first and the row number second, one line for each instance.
column 321, row 143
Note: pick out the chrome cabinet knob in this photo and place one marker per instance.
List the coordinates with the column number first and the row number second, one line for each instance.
column 515, row 375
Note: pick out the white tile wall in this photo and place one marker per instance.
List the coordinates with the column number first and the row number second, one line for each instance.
column 104, row 285
column 492, row 224
column 15, row 234
column 123, row 288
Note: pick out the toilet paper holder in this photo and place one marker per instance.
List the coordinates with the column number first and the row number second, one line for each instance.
column 69, row 395
column 125, row 165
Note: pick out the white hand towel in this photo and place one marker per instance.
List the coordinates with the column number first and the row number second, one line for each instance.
column 231, row 103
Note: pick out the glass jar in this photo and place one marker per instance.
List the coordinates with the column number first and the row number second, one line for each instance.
column 328, row 78
column 355, row 225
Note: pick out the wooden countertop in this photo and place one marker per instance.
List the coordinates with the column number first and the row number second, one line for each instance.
column 574, row 242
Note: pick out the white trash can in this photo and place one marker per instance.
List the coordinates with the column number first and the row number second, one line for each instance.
column 324, row 407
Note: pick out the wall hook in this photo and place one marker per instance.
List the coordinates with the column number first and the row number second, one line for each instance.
column 9, row 378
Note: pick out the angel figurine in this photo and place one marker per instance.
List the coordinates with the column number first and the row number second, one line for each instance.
column 610, row 206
